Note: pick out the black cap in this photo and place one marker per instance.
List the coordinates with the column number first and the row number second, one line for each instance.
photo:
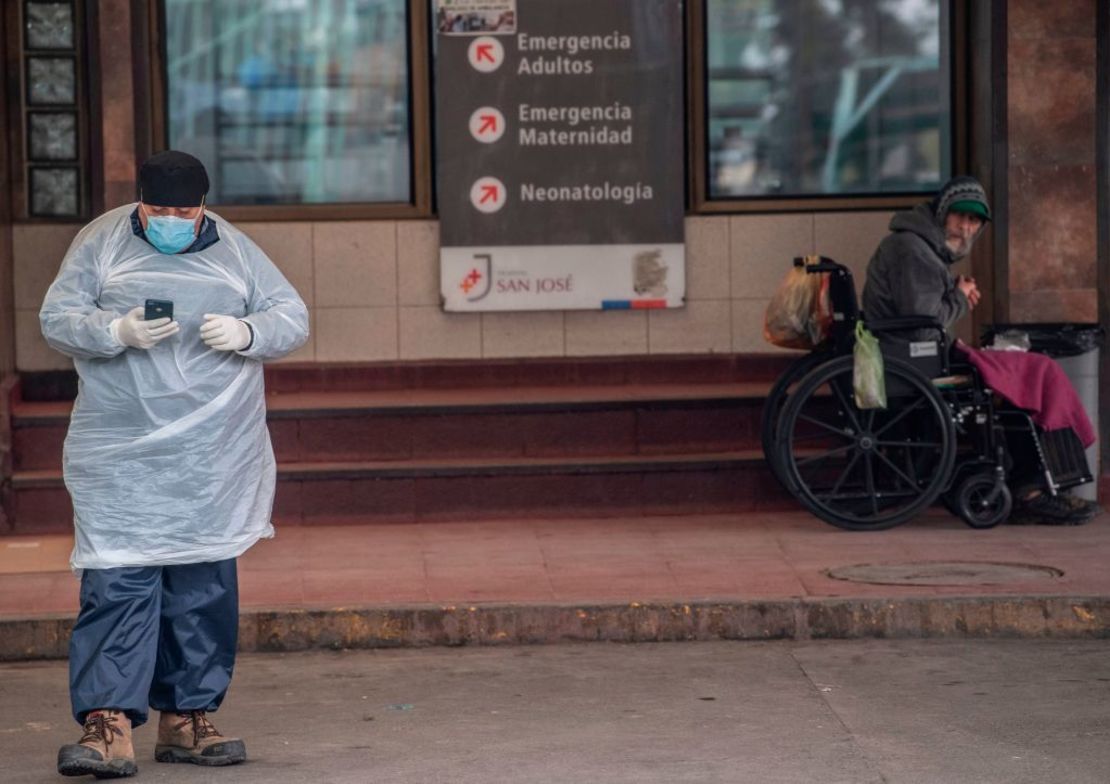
column 172, row 179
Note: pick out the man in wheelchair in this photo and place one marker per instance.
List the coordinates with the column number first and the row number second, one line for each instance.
column 909, row 276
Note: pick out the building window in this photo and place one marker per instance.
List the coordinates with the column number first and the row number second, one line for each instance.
column 822, row 98
column 52, row 110
column 291, row 101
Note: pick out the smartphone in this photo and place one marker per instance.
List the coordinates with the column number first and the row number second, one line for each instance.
column 158, row 308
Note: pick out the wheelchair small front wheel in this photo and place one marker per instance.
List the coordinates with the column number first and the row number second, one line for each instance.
column 978, row 503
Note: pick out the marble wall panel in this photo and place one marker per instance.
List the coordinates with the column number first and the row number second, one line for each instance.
column 1053, row 230
column 606, row 332
column 1052, row 239
column 31, row 349
column 702, row 327
column 426, row 332
column 37, row 253
column 289, row 246
column 1038, row 19
column 117, row 102
column 355, row 263
column 1051, row 101
column 707, row 258
column 762, row 248
column 355, row 334
column 1078, row 305
column 539, row 334
column 851, row 238
column 418, row 262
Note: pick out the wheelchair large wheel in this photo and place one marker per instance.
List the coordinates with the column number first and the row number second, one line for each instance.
column 865, row 470
column 774, row 404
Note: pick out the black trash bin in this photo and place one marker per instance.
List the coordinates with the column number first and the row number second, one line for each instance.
column 1076, row 348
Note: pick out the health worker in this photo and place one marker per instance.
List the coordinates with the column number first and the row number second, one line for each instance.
column 167, row 460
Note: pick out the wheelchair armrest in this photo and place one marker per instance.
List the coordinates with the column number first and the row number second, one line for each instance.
column 906, row 323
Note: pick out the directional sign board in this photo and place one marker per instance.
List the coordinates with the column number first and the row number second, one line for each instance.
column 559, row 154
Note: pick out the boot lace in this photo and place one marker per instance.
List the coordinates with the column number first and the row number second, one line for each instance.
column 202, row 727
column 100, row 728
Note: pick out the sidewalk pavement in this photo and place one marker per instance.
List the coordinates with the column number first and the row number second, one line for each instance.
column 755, row 575
column 835, row 712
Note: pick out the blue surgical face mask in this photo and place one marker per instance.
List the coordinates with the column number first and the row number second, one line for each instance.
column 170, row 234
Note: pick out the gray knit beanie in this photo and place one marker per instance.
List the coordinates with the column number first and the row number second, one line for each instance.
column 965, row 194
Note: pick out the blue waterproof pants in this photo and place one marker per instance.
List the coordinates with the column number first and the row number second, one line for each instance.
column 157, row 636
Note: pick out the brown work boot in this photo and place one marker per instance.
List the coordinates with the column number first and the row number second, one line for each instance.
column 190, row 737
column 105, row 750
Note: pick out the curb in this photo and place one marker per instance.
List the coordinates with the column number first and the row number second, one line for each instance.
column 1058, row 617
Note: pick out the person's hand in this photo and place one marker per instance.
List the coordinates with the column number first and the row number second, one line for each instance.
column 225, row 333
column 131, row 330
column 970, row 289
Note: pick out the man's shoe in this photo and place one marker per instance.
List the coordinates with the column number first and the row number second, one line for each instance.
column 104, row 751
column 1082, row 506
column 190, row 737
column 1045, row 509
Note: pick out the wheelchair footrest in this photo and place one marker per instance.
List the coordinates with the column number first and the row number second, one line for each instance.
column 1064, row 457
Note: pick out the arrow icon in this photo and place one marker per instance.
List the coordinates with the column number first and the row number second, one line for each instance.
column 488, row 194
column 485, row 54
column 489, row 123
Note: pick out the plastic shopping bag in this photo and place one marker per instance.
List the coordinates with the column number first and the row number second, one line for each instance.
column 868, row 377
column 799, row 314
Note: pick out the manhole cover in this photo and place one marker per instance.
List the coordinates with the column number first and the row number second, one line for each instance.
column 944, row 573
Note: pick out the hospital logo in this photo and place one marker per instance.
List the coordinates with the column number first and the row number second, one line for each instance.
column 476, row 283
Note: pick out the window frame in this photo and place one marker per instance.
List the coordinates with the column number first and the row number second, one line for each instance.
column 697, row 89
column 420, row 133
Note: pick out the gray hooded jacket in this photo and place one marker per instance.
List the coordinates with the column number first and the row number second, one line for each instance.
column 908, row 275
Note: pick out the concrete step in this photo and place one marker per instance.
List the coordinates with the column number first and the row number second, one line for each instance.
column 431, row 441
column 491, row 623
column 486, row 423
column 316, row 493
column 779, row 574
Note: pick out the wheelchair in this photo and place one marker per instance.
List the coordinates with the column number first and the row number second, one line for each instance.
column 943, row 435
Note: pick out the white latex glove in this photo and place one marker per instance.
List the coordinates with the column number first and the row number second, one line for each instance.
column 131, row 330
column 225, row 333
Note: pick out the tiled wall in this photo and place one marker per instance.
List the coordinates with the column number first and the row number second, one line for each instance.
column 373, row 291
column 1053, row 223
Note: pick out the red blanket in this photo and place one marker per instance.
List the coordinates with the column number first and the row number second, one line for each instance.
column 1037, row 384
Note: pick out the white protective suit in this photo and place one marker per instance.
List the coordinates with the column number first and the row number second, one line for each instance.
column 168, row 459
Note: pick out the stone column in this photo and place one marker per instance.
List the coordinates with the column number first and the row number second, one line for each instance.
column 116, row 132
column 1053, row 222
